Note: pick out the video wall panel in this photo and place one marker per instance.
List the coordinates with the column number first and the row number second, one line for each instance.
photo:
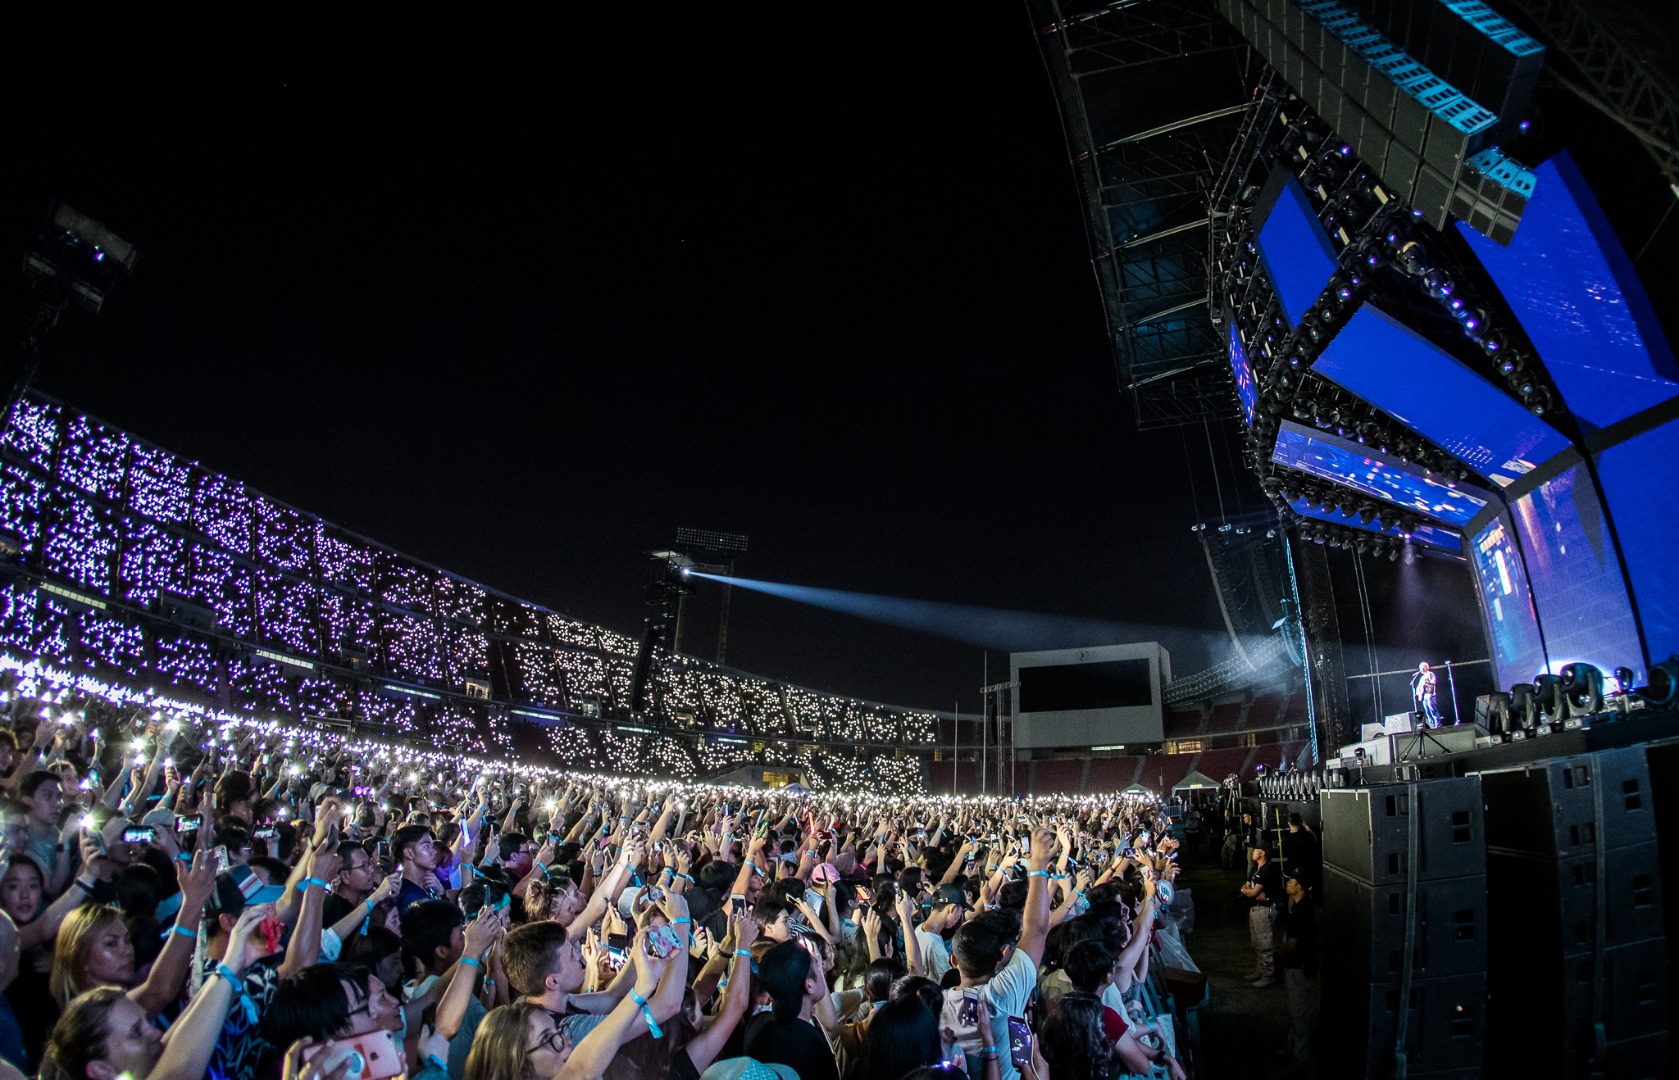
column 1394, row 368
column 1576, row 294
column 1639, row 477
column 1578, row 588
column 1354, row 466
column 1518, row 650
column 1295, row 249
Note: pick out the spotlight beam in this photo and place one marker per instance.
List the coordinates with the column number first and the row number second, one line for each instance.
column 988, row 628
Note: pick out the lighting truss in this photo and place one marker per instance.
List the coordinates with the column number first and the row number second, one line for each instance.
column 1152, row 93
column 1599, row 40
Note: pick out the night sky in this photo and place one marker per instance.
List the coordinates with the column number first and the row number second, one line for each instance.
column 521, row 293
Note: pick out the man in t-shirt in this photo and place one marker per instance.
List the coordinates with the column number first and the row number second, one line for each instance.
column 786, row 1035
column 416, row 850
column 949, row 907
column 545, row 967
column 1264, row 887
column 1002, row 970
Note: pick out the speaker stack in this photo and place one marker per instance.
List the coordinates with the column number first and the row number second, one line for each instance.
column 1401, row 857
column 1577, row 945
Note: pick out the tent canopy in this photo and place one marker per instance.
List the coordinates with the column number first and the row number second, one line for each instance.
column 1136, row 789
column 1196, row 781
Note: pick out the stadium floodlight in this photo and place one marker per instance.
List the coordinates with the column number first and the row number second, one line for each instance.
column 711, row 540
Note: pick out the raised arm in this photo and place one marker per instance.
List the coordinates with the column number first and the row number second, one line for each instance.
column 1035, row 926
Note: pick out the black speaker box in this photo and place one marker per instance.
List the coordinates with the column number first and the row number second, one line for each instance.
column 1552, row 904
column 1426, row 743
column 1364, row 925
column 1365, row 830
column 1444, row 1031
column 1548, row 808
column 1542, row 1008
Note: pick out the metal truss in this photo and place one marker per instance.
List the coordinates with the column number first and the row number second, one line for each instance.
column 1146, row 155
column 1602, row 41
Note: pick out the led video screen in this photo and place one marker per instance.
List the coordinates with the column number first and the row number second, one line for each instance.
column 1114, row 684
column 1577, row 585
column 1108, row 694
column 1295, row 249
column 1246, row 391
column 1434, row 536
column 1569, row 282
column 1518, row 652
column 1397, row 370
column 1354, row 466
column 1637, row 477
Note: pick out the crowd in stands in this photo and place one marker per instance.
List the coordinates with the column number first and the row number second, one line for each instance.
column 183, row 899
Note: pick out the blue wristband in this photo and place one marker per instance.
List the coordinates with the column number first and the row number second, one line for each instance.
column 1037, row 873
column 184, row 932
column 470, row 962
column 303, row 886
column 679, row 922
column 232, row 980
column 647, row 1015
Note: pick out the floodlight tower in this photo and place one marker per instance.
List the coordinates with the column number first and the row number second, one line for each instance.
column 719, row 551
column 670, row 583
column 74, row 260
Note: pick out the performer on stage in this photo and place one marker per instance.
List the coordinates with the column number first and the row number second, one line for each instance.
column 1423, row 695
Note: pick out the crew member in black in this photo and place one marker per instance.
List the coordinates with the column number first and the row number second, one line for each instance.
column 1264, row 887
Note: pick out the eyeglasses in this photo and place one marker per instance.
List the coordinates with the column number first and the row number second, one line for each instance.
column 553, row 1041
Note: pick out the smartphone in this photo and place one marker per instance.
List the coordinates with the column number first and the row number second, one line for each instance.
column 663, row 941
column 1020, row 1043
column 382, row 848
column 266, row 833
column 380, row 1056
column 272, row 930
column 863, row 894
column 970, row 1007
column 222, row 861
column 186, row 823
column 618, row 942
column 139, row 834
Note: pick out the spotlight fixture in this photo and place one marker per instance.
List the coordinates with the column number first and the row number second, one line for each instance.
column 1664, row 682
column 1582, row 688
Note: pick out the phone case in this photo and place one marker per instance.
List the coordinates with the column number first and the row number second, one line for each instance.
column 381, row 1057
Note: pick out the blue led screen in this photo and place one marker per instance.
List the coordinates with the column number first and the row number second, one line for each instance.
column 1432, row 535
column 1518, row 652
column 1296, row 251
column 1570, row 283
column 1577, row 584
column 1351, row 465
column 1241, row 369
column 1638, row 478
column 1425, row 388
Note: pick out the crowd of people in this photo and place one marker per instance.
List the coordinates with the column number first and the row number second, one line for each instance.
column 184, row 900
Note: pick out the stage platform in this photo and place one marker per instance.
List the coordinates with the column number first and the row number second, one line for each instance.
column 1459, row 751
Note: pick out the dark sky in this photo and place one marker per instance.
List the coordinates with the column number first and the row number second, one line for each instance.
column 521, row 293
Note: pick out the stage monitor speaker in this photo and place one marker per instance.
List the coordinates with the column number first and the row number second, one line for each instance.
column 1364, row 925
column 1549, row 808
column 1444, row 1031
column 1366, row 830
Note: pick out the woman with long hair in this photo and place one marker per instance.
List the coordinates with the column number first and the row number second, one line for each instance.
column 1073, row 1041
column 93, row 947
column 903, row 1035
column 517, row 1042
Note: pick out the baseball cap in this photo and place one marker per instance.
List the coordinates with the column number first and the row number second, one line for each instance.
column 745, row 1068
column 824, row 874
column 238, row 888
column 951, row 894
